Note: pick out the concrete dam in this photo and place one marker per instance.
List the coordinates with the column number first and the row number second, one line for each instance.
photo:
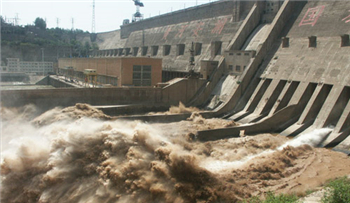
column 228, row 101
column 273, row 66
column 279, row 66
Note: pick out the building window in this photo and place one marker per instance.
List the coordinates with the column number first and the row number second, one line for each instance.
column 238, row 54
column 344, row 40
column 230, row 67
column 312, row 41
column 166, row 50
column 197, row 48
column 154, row 50
column 238, row 68
column 127, row 51
column 120, row 51
column 231, row 54
column 142, row 75
column 144, row 51
column 135, row 51
column 246, row 54
column 180, row 49
column 285, row 42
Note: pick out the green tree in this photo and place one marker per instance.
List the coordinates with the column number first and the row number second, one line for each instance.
column 94, row 46
column 87, row 46
column 86, row 49
column 2, row 20
column 40, row 23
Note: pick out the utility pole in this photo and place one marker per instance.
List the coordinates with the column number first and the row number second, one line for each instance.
column 42, row 59
column 72, row 24
column 93, row 17
column 16, row 19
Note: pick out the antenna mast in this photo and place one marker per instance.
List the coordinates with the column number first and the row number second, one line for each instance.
column 16, row 19
column 93, row 17
column 137, row 16
column 72, row 23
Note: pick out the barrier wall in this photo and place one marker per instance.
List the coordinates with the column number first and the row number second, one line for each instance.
column 277, row 25
column 53, row 82
column 210, row 10
column 182, row 90
column 302, row 85
column 249, row 24
column 50, row 98
column 172, row 94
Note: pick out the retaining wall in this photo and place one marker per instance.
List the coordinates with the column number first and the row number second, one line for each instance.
column 210, row 10
column 172, row 94
column 50, row 98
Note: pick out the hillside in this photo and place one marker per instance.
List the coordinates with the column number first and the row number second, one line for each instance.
column 29, row 43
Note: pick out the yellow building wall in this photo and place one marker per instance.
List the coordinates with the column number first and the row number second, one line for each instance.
column 122, row 68
column 127, row 69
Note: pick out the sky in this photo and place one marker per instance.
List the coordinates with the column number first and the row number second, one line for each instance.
column 109, row 14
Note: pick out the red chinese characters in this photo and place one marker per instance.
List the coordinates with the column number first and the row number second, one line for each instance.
column 219, row 26
column 198, row 28
column 181, row 31
column 166, row 33
column 346, row 19
column 312, row 15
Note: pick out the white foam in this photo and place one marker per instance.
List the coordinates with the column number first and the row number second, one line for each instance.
column 312, row 138
column 221, row 165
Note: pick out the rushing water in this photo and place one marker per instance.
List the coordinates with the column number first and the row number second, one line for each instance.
column 80, row 155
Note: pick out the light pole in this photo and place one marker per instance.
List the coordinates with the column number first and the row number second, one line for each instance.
column 42, row 59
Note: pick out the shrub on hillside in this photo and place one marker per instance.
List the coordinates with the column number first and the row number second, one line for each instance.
column 339, row 191
column 273, row 198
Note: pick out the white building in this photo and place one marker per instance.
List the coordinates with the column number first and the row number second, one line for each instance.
column 38, row 67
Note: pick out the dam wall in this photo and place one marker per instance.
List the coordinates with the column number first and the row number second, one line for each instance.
column 181, row 90
column 50, row 98
column 247, row 77
column 209, row 27
column 249, row 24
column 173, row 42
column 205, row 11
column 296, row 80
column 300, row 81
column 314, row 56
